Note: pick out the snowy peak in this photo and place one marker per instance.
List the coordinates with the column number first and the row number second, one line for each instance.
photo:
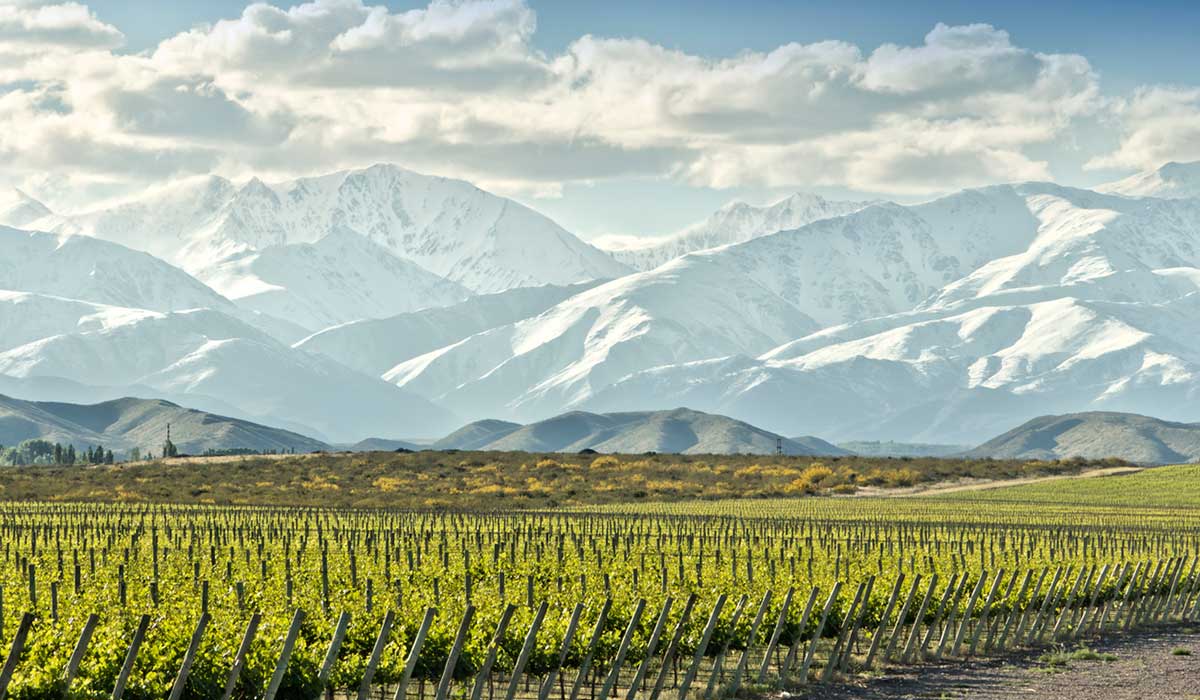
column 449, row 227
column 342, row 277
column 20, row 210
column 734, row 223
column 1171, row 181
column 84, row 268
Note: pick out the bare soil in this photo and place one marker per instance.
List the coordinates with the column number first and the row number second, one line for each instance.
column 1149, row 665
column 982, row 484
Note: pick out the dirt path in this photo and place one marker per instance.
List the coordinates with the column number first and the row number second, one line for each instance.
column 981, row 484
column 1147, row 666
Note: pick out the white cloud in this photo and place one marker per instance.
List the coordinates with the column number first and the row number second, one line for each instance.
column 458, row 88
column 1158, row 124
column 67, row 25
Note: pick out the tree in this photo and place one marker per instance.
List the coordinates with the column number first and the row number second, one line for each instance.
column 70, row 454
column 108, row 457
column 135, row 454
column 169, row 450
column 58, row 453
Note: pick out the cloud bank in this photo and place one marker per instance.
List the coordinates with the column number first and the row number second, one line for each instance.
column 458, row 88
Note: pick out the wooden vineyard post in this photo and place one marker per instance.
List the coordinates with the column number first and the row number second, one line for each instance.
column 552, row 676
column 985, row 613
column 651, row 647
column 1145, row 592
column 938, row 612
column 239, row 661
column 915, row 633
column 1126, row 601
column 1084, row 575
column 951, row 615
column 460, row 639
column 493, row 647
column 335, row 645
column 773, row 642
column 1090, row 604
column 966, row 618
column 1100, row 620
column 527, row 649
column 798, row 644
column 622, row 650
column 1050, row 596
column 993, row 627
column 812, row 647
column 189, row 658
column 586, row 664
column 673, row 647
column 385, row 629
column 1186, row 594
column 1013, row 613
column 877, row 638
column 14, row 653
column 701, row 648
column 745, row 659
column 285, row 655
column 130, row 657
column 1019, row 634
column 719, row 658
column 410, row 665
column 1164, row 608
column 844, row 660
column 835, row 655
column 85, row 637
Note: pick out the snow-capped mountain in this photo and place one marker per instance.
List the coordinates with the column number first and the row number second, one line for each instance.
column 216, row 362
column 87, row 269
column 449, row 227
column 733, row 223
column 946, row 321
column 1001, row 300
column 19, row 210
column 375, row 346
column 692, row 308
column 1099, row 312
column 1171, row 181
column 342, row 277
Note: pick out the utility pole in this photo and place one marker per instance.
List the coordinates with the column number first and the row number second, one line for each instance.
column 779, row 445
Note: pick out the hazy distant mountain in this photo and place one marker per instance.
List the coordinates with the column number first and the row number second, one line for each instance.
column 1171, row 181
column 127, row 423
column 889, row 448
column 384, row 445
column 1096, row 435
column 733, row 223
column 477, row 435
column 678, row 431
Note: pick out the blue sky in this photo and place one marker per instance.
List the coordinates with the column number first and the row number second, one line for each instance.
column 1129, row 43
column 602, row 161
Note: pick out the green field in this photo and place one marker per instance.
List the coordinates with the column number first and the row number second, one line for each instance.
column 1027, row 564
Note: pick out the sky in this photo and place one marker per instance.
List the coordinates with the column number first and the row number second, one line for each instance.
column 617, row 118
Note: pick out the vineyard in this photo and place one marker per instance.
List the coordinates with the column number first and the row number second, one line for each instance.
column 677, row 600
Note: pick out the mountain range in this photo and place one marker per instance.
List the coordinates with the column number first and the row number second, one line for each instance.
column 384, row 302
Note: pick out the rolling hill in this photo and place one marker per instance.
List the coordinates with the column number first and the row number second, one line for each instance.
column 680, row 431
column 126, row 423
column 1096, row 435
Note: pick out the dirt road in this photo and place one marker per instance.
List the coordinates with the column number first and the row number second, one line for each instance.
column 1147, row 665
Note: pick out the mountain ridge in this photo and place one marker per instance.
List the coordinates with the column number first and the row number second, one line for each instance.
column 127, row 423
column 1096, row 435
